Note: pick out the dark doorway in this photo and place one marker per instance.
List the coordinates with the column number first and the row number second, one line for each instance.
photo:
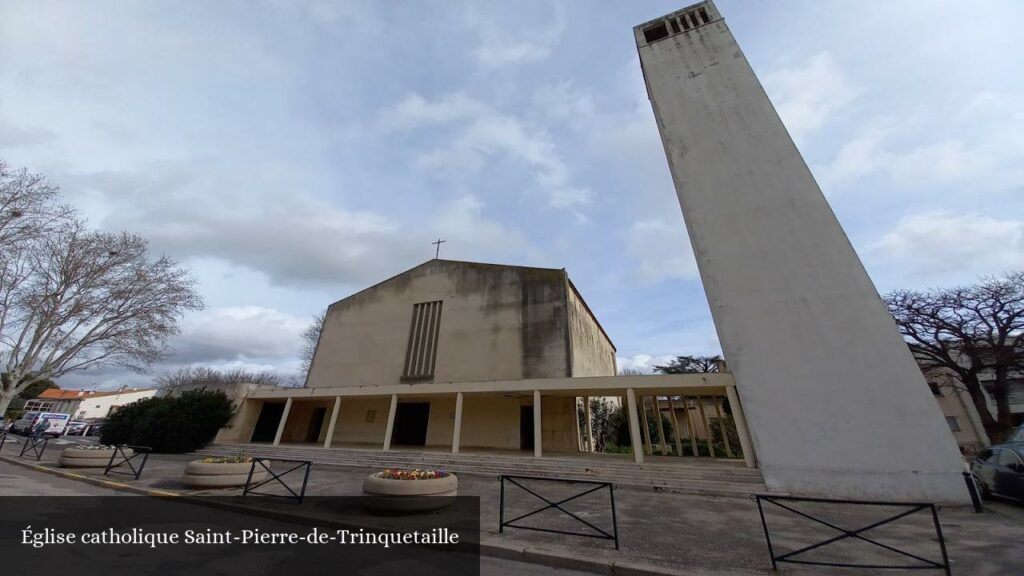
column 411, row 423
column 526, row 427
column 266, row 424
column 316, row 422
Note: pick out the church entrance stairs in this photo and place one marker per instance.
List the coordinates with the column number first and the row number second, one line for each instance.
column 685, row 475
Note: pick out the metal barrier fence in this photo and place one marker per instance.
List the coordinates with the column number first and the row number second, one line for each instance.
column 557, row 505
column 857, row 533
column 3, row 438
column 250, row 487
column 119, row 457
column 35, row 444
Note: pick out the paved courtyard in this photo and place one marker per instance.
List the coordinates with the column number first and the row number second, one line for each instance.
column 659, row 530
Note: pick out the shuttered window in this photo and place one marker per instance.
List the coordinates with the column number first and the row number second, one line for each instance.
column 422, row 351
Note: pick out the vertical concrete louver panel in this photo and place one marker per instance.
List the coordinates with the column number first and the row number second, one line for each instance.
column 421, row 355
column 835, row 403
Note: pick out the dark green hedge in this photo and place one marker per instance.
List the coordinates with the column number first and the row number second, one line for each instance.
column 169, row 424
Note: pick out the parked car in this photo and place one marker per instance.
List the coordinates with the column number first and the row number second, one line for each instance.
column 23, row 426
column 1017, row 436
column 93, row 429
column 76, row 428
column 1000, row 470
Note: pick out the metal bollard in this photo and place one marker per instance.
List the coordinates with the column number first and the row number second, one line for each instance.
column 972, row 489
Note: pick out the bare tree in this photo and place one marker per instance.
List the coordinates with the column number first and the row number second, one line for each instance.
column 310, row 338
column 201, row 375
column 28, row 209
column 972, row 331
column 72, row 299
column 690, row 365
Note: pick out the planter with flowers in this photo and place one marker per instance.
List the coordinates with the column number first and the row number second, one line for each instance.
column 395, row 490
column 88, row 456
column 221, row 472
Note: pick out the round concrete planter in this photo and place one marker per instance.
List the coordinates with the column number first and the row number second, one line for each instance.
column 199, row 474
column 409, row 496
column 72, row 457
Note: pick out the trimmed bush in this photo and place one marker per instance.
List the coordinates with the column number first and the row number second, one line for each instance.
column 169, row 424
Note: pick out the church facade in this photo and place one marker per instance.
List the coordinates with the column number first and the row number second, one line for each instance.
column 463, row 356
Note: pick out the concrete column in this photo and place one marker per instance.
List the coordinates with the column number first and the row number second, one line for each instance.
column 741, row 426
column 590, row 426
column 391, row 421
column 661, row 427
column 457, row 431
column 333, row 422
column 707, row 426
column 634, row 427
column 646, row 427
column 580, row 442
column 537, row 429
column 720, row 414
column 284, row 420
column 675, row 426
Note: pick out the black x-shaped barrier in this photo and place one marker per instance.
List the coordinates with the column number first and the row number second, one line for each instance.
column 3, row 438
column 36, row 445
column 250, row 486
column 557, row 505
column 908, row 508
column 139, row 456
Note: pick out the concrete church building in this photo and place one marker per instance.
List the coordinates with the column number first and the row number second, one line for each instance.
column 456, row 355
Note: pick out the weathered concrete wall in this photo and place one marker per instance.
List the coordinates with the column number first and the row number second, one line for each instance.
column 441, row 425
column 299, row 419
column 497, row 322
column 558, row 424
column 829, row 388
column 353, row 427
column 491, row 422
column 239, row 428
column 593, row 353
column 952, row 401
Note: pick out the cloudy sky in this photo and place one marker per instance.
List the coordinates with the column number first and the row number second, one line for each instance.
column 291, row 152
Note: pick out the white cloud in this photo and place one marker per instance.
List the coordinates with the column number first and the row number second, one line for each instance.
column 239, row 332
column 472, row 236
column 974, row 143
column 564, row 101
column 807, row 95
column 940, row 246
column 660, row 250
column 499, row 47
column 415, row 111
column 481, row 134
column 257, row 220
column 645, row 363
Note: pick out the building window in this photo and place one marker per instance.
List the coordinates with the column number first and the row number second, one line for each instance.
column 656, row 32
column 421, row 354
column 954, row 424
column 935, row 388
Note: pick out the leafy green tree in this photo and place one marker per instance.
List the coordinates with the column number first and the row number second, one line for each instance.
column 691, row 365
column 169, row 424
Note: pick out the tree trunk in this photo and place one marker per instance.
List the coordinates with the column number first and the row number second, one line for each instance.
column 5, row 401
column 973, row 385
column 1001, row 394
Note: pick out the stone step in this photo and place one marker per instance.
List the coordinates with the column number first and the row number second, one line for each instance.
column 715, row 466
column 713, row 479
column 397, row 459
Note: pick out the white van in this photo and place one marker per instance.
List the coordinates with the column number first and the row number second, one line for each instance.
column 28, row 422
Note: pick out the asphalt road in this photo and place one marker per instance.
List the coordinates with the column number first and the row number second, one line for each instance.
column 19, row 481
